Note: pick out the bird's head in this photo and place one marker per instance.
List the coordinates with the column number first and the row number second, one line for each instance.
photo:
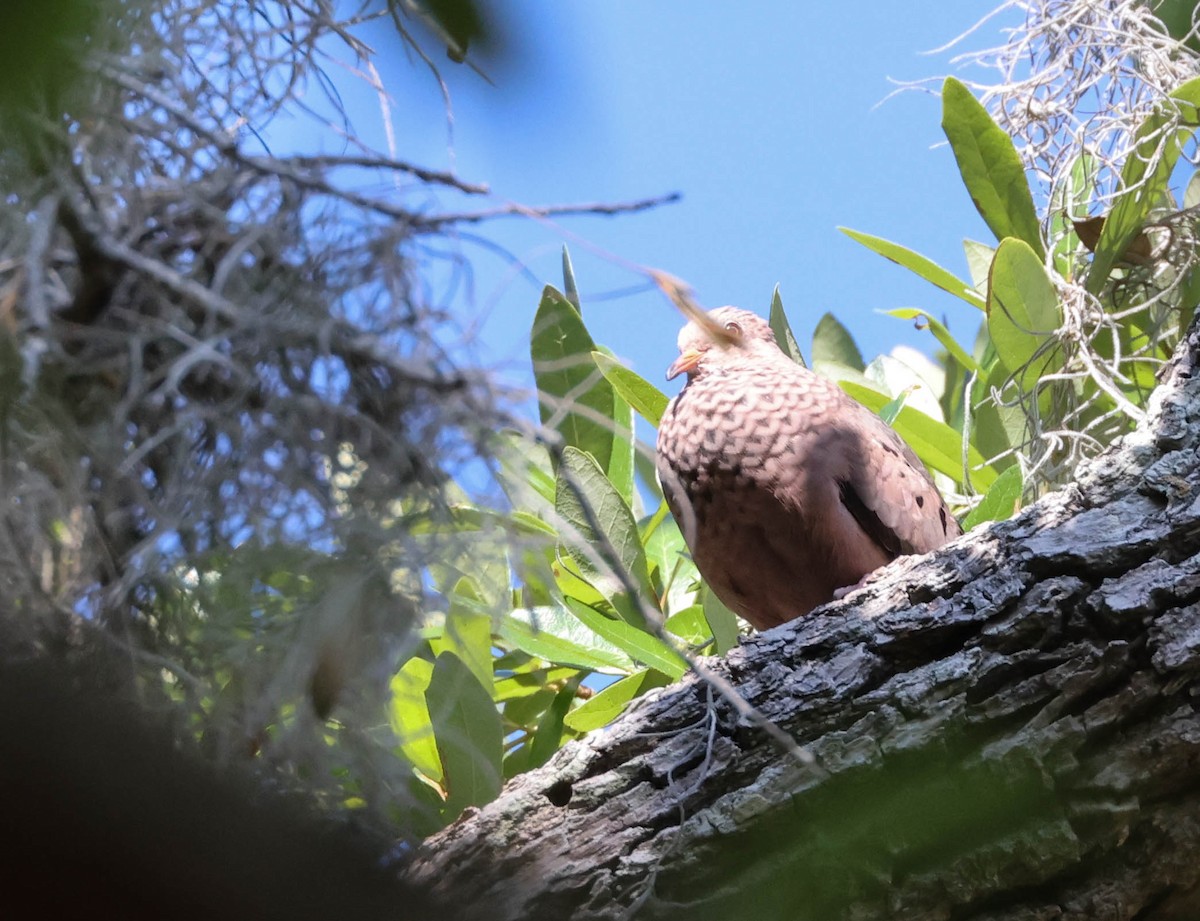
column 730, row 336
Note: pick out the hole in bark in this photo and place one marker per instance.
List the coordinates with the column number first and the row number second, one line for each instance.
column 559, row 793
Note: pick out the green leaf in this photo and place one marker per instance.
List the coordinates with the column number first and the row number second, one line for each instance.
column 935, row 443
column 620, row 469
column 526, row 684
column 570, row 290
column 833, row 345
column 926, row 320
column 648, row 400
column 915, row 262
column 990, row 167
column 467, row 633
column 466, row 726
column 782, row 329
column 554, row 634
column 666, row 551
column 612, row 701
column 547, row 739
column 722, row 621
column 1023, row 313
column 689, row 625
column 409, row 716
column 1145, row 176
column 979, row 264
column 639, row 645
column 600, row 556
column 999, row 503
column 574, row 399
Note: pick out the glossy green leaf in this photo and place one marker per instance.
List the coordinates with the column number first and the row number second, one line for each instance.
column 782, row 329
column 554, row 634
column 918, row 264
column 1023, row 313
column 999, row 502
column 833, row 345
column 466, row 727
column 1145, row 176
column 649, row 402
column 667, row 552
column 620, row 470
column 600, row 554
column 574, row 399
column 990, row 167
column 610, row 703
column 937, row 445
column 639, row 645
column 926, row 320
column 721, row 620
column 689, row 625
column 408, row 713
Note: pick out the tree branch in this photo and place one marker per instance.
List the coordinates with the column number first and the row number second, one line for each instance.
column 1005, row 729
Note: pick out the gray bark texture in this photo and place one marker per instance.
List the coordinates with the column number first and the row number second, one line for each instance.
column 1006, row 729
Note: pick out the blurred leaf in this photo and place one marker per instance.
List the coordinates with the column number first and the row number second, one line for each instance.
column 574, row 399
column 526, row 684
column 467, row 633
column 990, row 167
column 690, row 626
column 1023, row 313
column 721, row 620
column 937, row 445
column 891, row 409
column 915, row 262
column 907, row 371
column 833, row 344
column 648, row 400
column 782, row 329
column 620, row 468
column 469, row 738
column 1000, row 501
column 610, row 703
column 548, row 737
column 639, row 645
column 1145, row 176
column 41, row 48
column 925, row 320
column 570, row 290
column 524, row 472
column 581, row 481
column 556, row 635
column 409, row 716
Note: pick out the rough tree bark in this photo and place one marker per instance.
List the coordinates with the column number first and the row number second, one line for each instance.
column 1006, row 729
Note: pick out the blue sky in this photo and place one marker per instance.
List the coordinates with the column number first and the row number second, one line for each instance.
column 766, row 118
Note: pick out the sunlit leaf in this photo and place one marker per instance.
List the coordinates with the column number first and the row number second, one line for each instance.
column 612, row 701
column 467, row 633
column 583, row 492
column 526, row 684
column 409, row 716
column 915, row 262
column 466, row 727
column 548, row 736
column 1023, row 313
column 979, row 264
column 999, row 503
column 649, row 402
column 574, row 399
column 556, row 635
column 639, row 645
column 570, row 289
column 990, row 167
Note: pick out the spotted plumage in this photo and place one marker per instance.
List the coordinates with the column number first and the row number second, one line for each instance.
column 786, row 490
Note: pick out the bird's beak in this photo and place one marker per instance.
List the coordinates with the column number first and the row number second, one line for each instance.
column 685, row 363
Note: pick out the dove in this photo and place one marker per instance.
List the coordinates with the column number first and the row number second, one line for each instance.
column 787, row 491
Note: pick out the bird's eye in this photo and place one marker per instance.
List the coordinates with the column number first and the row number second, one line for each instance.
column 734, row 330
